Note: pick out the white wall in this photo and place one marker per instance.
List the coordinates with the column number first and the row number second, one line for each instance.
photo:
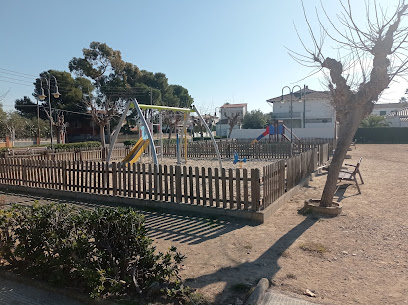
column 393, row 121
column 322, row 132
column 315, row 110
column 388, row 108
column 222, row 130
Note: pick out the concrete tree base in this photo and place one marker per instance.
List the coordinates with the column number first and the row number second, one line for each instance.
column 313, row 206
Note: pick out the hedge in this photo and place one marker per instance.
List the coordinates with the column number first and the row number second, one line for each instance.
column 76, row 146
column 386, row 135
column 105, row 251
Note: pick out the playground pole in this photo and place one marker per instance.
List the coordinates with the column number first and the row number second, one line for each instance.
column 211, row 135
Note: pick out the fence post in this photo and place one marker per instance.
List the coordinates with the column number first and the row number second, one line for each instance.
column 255, row 189
column 114, row 179
column 178, row 184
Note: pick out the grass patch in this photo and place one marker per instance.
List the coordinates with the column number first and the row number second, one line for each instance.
column 313, row 247
column 198, row 299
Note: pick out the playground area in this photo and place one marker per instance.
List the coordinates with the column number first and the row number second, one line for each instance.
column 358, row 257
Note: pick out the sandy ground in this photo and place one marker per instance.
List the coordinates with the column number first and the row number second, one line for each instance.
column 359, row 257
column 211, row 162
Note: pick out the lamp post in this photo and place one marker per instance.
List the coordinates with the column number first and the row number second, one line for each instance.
column 220, row 121
column 291, row 90
column 42, row 97
column 38, row 124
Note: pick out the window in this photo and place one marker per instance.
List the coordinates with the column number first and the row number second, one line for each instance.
column 383, row 112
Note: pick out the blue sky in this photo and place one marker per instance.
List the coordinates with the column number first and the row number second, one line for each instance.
column 221, row 51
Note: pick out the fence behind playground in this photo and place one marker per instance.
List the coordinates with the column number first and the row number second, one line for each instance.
column 236, row 189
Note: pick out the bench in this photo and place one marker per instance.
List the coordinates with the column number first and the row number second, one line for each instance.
column 353, row 144
column 351, row 175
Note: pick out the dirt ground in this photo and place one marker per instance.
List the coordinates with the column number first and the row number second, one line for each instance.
column 359, row 257
column 212, row 162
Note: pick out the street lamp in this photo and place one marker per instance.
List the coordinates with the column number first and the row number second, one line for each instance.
column 291, row 90
column 42, row 96
column 220, row 120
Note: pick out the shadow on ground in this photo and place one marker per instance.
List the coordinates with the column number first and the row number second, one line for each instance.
column 183, row 228
column 265, row 266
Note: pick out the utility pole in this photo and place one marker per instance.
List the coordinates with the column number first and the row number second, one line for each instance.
column 151, row 96
column 38, row 124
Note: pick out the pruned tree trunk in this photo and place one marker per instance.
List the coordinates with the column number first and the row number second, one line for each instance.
column 346, row 135
column 102, row 135
column 383, row 44
column 60, row 132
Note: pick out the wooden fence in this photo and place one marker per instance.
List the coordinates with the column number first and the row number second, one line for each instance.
column 227, row 149
column 83, row 155
column 228, row 189
column 266, row 150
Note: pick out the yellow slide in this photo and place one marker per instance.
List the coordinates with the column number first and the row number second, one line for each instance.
column 136, row 151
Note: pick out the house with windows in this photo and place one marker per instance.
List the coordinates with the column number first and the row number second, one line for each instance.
column 310, row 114
column 398, row 118
column 228, row 111
column 388, row 108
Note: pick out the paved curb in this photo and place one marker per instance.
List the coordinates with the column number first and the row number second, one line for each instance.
column 259, row 292
column 263, row 295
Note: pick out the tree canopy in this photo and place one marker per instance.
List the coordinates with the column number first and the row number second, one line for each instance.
column 373, row 121
column 256, row 119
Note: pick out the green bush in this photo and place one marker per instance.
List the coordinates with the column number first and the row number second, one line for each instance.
column 77, row 146
column 128, row 143
column 106, row 251
column 205, row 138
column 131, row 143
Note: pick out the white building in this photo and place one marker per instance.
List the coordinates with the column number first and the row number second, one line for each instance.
column 227, row 111
column 398, row 118
column 312, row 116
column 388, row 108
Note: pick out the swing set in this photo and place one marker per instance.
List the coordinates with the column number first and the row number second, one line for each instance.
column 146, row 139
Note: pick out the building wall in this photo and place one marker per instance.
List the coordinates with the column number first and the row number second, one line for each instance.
column 320, row 132
column 230, row 110
column 223, row 129
column 319, row 113
column 386, row 109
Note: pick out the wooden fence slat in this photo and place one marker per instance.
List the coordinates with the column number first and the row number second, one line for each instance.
column 150, row 180
column 238, row 188
column 166, row 183
column 185, row 184
column 114, row 179
column 245, row 181
column 224, row 188
column 231, row 188
column 255, row 196
column 210, row 187
column 191, row 184
column 197, row 185
column 134, row 186
column 178, row 184
column 204, row 186
column 160, row 185
column 172, row 190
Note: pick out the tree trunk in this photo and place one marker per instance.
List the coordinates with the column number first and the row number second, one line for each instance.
column 59, row 133
column 102, row 135
column 346, row 134
column 170, row 132
column 230, row 131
